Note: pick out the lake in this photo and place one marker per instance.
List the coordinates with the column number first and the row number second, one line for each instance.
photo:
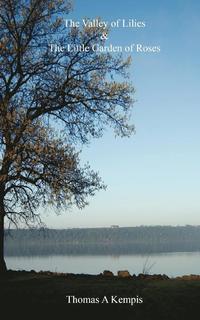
column 172, row 264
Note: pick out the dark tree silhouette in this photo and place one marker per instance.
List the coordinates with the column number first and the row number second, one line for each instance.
column 49, row 102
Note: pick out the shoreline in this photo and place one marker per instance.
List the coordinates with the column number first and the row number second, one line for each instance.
column 105, row 274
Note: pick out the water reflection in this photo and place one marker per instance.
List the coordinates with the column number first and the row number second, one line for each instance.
column 172, row 264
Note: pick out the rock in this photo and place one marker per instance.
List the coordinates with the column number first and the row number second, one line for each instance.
column 123, row 274
column 165, row 277
column 189, row 277
column 108, row 273
column 143, row 276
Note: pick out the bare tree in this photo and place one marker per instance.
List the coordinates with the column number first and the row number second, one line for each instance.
column 49, row 103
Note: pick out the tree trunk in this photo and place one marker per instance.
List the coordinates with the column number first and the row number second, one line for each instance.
column 2, row 261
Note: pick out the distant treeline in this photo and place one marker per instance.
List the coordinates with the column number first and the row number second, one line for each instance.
column 144, row 239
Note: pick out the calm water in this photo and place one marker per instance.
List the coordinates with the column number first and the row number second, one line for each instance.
column 172, row 264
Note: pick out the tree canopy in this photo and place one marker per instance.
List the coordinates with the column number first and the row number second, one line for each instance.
column 52, row 103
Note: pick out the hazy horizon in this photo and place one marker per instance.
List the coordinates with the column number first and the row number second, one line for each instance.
column 108, row 226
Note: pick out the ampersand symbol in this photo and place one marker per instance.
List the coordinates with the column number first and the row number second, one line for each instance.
column 104, row 36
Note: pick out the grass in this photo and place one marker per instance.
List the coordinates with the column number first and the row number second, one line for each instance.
column 162, row 299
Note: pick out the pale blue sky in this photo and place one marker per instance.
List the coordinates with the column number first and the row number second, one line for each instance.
column 154, row 176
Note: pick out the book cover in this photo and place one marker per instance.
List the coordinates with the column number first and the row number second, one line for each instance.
column 99, row 156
